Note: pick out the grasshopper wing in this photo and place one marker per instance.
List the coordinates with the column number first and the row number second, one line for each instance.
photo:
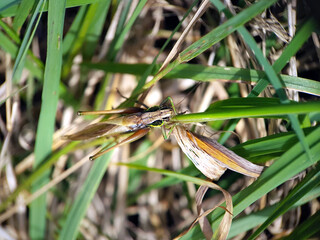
column 97, row 130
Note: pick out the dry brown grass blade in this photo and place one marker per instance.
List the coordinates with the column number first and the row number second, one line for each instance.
column 207, row 165
column 225, row 224
column 203, row 222
column 204, row 5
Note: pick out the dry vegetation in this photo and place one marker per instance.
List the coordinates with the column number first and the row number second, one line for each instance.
column 131, row 203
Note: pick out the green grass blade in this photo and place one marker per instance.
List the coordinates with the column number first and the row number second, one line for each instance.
column 290, row 164
column 257, row 150
column 277, row 84
column 243, row 224
column 22, row 13
column 224, row 30
column 50, row 96
column 20, row 59
column 180, row 176
column 9, row 8
column 95, row 29
column 80, row 38
column 118, row 42
column 267, row 148
column 273, row 79
column 5, row 4
column 295, row 44
column 213, row 37
column 229, row 111
column 9, row 31
column 209, row 73
column 148, row 71
column 35, row 66
column 79, row 207
column 73, row 32
column 168, row 181
column 306, row 185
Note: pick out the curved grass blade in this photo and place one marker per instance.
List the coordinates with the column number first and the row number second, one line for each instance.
column 302, row 35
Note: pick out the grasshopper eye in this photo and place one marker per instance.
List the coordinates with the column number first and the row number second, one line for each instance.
column 157, row 123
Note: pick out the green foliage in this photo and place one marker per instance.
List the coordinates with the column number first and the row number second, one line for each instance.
column 294, row 151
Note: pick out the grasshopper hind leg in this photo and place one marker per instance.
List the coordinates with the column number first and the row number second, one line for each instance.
column 137, row 135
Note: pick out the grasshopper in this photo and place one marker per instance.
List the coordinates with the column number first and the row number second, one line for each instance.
column 135, row 119
column 210, row 157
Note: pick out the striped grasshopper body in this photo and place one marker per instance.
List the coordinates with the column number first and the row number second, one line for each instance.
column 137, row 120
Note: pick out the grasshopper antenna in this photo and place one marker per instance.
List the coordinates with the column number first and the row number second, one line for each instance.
column 191, row 92
column 129, row 99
